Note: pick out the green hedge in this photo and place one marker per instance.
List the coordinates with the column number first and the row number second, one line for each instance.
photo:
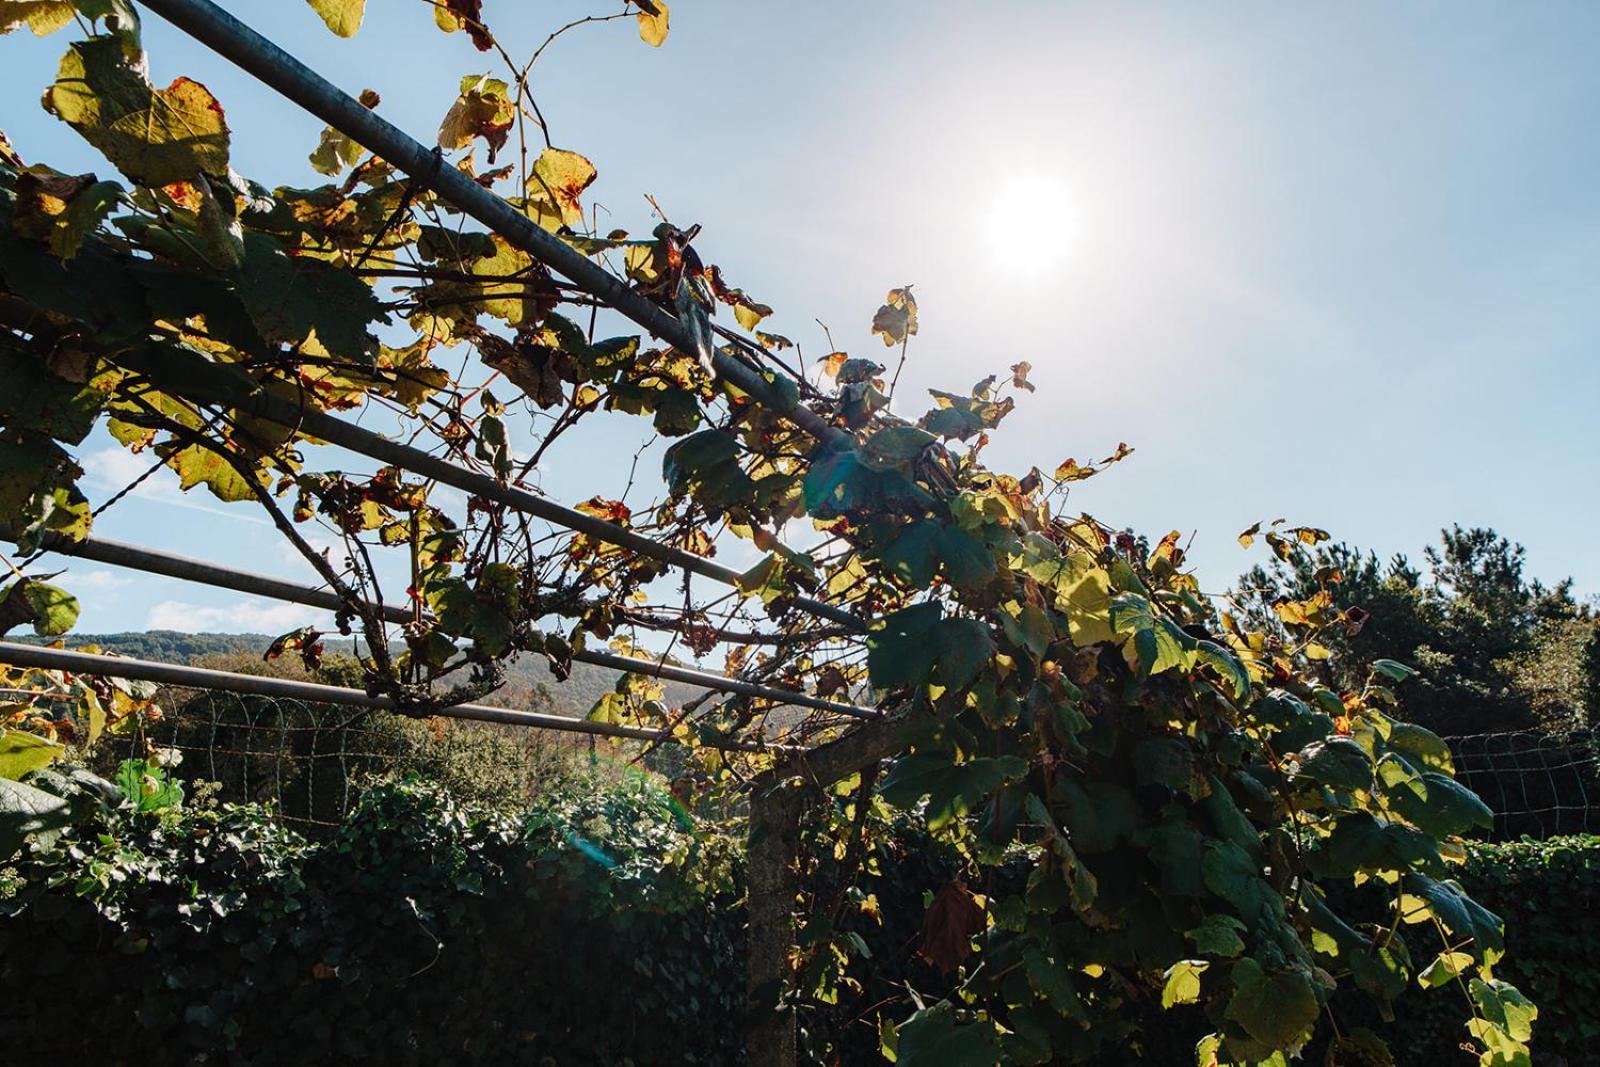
column 600, row 928
column 1545, row 891
column 419, row 933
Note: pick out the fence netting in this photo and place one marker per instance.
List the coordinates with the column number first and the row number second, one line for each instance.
column 1539, row 785
column 310, row 761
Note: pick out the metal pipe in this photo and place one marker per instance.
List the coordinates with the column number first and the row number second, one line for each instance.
column 152, row 561
column 60, row 659
column 259, row 57
column 375, row 446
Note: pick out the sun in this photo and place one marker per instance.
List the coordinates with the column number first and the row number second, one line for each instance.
column 1030, row 225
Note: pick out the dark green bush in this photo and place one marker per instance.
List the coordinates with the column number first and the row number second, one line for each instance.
column 598, row 930
column 1545, row 891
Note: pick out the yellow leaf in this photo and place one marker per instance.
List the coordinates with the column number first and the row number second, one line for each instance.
column 342, row 16
column 155, row 137
column 43, row 17
column 559, row 177
column 1086, row 598
column 653, row 25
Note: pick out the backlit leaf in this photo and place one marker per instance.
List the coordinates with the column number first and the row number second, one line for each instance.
column 155, row 137
column 342, row 16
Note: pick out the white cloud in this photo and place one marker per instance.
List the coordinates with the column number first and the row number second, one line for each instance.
column 245, row 616
column 108, row 471
column 95, row 580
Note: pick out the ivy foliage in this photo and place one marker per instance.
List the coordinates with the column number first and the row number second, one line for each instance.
column 420, row 932
column 1186, row 791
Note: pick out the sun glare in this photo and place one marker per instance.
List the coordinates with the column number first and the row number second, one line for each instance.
column 1030, row 225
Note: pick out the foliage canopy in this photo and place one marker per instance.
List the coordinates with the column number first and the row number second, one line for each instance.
column 1183, row 789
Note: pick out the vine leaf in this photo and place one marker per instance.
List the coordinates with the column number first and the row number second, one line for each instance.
column 290, row 299
column 482, row 109
column 953, row 789
column 951, row 922
column 896, row 320
column 43, row 17
column 22, row 752
column 60, row 210
column 155, row 137
column 559, row 178
column 453, row 15
column 1274, row 1009
column 198, row 465
column 51, row 610
column 25, row 810
column 342, row 16
column 933, row 1038
column 1183, row 982
column 653, row 16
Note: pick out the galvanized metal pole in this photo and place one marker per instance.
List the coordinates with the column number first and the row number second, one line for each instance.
column 375, row 446
column 60, row 659
column 255, row 54
column 152, row 561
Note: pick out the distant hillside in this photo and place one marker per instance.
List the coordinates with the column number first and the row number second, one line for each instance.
column 529, row 683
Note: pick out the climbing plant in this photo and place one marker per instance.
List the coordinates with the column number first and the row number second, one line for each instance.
column 1179, row 791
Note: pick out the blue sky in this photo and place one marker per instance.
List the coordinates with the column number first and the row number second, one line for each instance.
column 1331, row 262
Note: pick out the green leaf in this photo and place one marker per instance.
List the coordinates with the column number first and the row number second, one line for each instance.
column 155, row 137
column 147, row 787
column 967, row 562
column 335, row 152
column 912, row 555
column 1446, row 807
column 896, row 446
column 953, row 789
column 933, row 1038
column 1226, row 664
column 899, row 651
column 1154, row 643
column 62, row 211
column 1506, row 1022
column 1097, row 815
column 1235, row 879
column 1361, row 843
column 1274, row 1009
column 1392, row 670
column 53, row 611
column 25, row 810
column 1051, row 978
column 1218, row 935
column 38, row 400
column 291, row 298
column 1460, row 914
column 1337, row 762
column 22, row 752
column 1422, row 746
column 199, row 465
column 1183, row 982
column 342, row 16
column 963, row 647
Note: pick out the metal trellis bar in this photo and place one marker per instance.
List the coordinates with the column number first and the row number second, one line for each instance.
column 59, row 659
column 118, row 554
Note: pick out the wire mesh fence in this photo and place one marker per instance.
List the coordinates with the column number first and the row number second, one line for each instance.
column 310, row 761
column 1539, row 785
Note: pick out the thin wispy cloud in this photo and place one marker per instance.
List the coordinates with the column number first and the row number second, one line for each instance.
column 109, row 471
column 244, row 616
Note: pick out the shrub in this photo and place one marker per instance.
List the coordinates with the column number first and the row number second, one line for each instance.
column 597, row 930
